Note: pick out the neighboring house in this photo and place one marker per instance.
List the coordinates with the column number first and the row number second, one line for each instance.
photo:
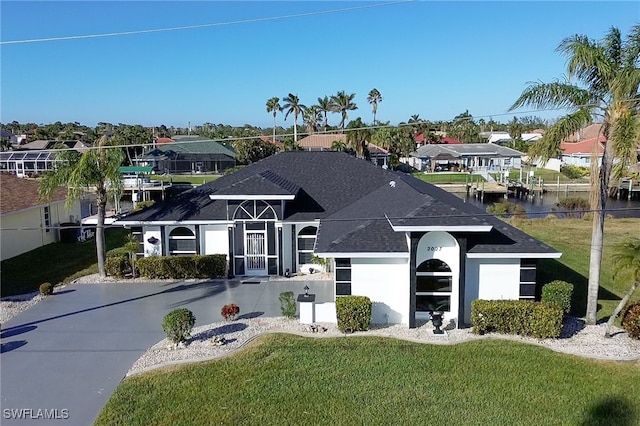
column 406, row 244
column 323, row 142
column 277, row 142
column 479, row 157
column 189, row 156
column 35, row 157
column 580, row 153
column 444, row 139
column 28, row 222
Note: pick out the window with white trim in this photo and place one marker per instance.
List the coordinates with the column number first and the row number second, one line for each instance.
column 343, row 277
column 47, row 219
column 182, row 242
column 527, row 279
column 306, row 241
column 434, row 284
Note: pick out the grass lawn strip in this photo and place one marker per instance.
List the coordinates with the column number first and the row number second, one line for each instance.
column 283, row 379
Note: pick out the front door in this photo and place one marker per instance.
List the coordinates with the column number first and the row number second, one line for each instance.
column 20, row 168
column 255, row 253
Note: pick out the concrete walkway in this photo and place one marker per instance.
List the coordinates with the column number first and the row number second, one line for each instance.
column 67, row 354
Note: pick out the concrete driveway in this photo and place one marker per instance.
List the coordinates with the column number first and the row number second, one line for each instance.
column 62, row 358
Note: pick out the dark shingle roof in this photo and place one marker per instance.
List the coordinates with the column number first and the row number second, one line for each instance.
column 357, row 204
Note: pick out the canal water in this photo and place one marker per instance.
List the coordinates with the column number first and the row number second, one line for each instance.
column 541, row 206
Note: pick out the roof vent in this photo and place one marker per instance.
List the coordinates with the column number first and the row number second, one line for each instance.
column 392, row 184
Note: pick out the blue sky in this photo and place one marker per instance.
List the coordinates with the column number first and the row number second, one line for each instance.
column 436, row 59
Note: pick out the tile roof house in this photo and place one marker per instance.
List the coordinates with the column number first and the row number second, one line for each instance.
column 189, row 156
column 27, row 221
column 324, row 142
column 408, row 245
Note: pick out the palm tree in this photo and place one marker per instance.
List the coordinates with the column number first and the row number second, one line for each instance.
column 343, row 103
column 324, row 106
column 606, row 87
column 374, row 99
column 339, row 146
column 627, row 259
column 312, row 117
column 292, row 105
column 97, row 168
column 273, row 105
column 358, row 136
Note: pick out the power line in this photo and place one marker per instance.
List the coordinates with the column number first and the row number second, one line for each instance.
column 385, row 218
column 209, row 25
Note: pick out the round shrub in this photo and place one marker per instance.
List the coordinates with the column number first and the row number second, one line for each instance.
column 631, row 320
column 178, row 325
column 353, row 313
column 559, row 293
column 46, row 289
column 288, row 304
column 230, row 311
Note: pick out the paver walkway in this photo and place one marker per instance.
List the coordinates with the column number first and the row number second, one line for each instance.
column 68, row 353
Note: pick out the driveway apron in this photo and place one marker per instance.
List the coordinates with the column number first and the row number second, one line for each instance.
column 62, row 359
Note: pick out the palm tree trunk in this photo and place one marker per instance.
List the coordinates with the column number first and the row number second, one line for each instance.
column 100, row 241
column 601, row 188
column 620, row 306
column 295, row 128
column 274, row 128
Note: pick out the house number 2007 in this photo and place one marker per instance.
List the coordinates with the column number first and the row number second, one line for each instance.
column 434, row 248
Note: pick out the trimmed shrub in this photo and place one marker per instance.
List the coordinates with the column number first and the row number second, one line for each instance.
column 46, row 289
column 558, row 292
column 161, row 267
column 117, row 266
column 631, row 320
column 178, row 325
column 574, row 172
column 288, row 304
column 523, row 317
column 354, row 313
column 230, row 311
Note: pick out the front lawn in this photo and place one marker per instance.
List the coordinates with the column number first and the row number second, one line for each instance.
column 548, row 176
column 282, row 379
column 54, row 263
column 195, row 179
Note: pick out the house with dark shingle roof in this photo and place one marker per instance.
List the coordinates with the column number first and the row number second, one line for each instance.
column 27, row 221
column 477, row 156
column 189, row 156
column 409, row 246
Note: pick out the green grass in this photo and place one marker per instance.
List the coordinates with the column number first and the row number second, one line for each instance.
column 293, row 380
column 447, row 177
column 573, row 238
column 196, row 179
column 54, row 263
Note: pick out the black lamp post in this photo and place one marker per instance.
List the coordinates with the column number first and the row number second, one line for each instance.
column 306, row 291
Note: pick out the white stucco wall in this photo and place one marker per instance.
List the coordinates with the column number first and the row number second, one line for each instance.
column 386, row 282
column 491, row 279
column 286, row 248
column 214, row 239
column 25, row 230
column 152, row 249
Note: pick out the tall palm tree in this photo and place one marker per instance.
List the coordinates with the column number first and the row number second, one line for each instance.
column 626, row 257
column 374, row 99
column 603, row 80
column 324, row 106
column 292, row 105
column 97, row 168
column 273, row 105
column 343, row 103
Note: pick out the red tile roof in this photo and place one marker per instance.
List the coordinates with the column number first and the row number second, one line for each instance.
column 585, row 146
column 589, row 132
column 445, row 140
column 323, row 141
column 21, row 193
column 268, row 139
column 161, row 141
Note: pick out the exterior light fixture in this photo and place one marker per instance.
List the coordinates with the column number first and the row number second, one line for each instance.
column 306, row 291
column 153, row 240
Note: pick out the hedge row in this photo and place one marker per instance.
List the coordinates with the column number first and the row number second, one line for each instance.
column 527, row 318
column 353, row 313
column 160, row 267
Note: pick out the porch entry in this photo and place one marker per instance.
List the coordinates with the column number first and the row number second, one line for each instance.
column 254, row 239
column 255, row 253
column 437, row 275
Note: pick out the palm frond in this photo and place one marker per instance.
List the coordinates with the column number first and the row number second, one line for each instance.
column 553, row 95
column 549, row 146
column 631, row 52
column 626, row 257
column 624, row 139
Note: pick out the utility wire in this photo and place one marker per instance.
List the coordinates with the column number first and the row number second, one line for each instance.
column 385, row 218
column 214, row 24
